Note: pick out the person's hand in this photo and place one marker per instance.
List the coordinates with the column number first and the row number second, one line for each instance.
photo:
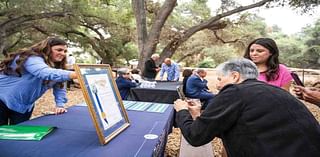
column 194, row 108
column 158, row 69
column 73, row 75
column 180, row 105
column 298, row 90
column 311, row 94
column 60, row 110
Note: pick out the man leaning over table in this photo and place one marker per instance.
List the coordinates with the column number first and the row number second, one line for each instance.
column 251, row 117
column 171, row 68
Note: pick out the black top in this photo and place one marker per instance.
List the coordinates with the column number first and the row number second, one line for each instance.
column 184, row 82
column 255, row 119
column 150, row 69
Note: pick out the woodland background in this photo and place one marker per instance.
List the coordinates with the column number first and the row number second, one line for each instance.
column 118, row 31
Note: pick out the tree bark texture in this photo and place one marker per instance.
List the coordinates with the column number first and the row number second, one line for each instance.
column 151, row 40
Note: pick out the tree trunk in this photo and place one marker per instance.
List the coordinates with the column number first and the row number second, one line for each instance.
column 152, row 39
column 2, row 46
column 141, row 23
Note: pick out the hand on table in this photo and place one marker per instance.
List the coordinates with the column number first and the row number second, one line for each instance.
column 60, row 110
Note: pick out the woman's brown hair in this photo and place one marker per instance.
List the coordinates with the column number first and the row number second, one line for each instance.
column 273, row 60
column 41, row 49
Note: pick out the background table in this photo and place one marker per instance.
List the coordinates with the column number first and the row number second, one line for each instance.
column 76, row 136
column 164, row 92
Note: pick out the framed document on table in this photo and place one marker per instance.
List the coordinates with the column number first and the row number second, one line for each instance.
column 103, row 100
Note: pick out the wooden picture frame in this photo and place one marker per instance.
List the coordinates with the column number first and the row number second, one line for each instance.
column 103, row 100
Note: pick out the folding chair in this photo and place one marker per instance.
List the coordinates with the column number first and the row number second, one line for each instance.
column 180, row 92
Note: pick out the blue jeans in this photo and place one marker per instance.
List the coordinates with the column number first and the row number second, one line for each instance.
column 8, row 116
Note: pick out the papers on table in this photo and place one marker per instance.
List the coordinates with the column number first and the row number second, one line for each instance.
column 156, row 107
column 145, row 106
column 141, row 106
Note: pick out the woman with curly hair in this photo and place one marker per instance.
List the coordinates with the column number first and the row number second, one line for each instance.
column 27, row 74
column 264, row 53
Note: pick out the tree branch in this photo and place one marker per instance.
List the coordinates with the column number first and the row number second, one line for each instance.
column 41, row 30
column 210, row 24
column 16, row 42
column 93, row 29
column 15, row 22
column 223, row 41
column 190, row 54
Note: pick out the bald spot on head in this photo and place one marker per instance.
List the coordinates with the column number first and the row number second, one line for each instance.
column 167, row 61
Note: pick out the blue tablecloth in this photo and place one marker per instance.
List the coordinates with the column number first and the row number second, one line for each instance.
column 76, row 136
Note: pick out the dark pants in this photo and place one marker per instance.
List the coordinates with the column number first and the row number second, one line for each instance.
column 8, row 116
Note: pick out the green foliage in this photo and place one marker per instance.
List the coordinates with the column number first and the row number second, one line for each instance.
column 1, row 57
column 206, row 63
column 311, row 57
column 105, row 29
column 312, row 34
column 291, row 49
column 220, row 53
column 300, row 50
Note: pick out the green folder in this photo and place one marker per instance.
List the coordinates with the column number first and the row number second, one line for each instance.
column 24, row 132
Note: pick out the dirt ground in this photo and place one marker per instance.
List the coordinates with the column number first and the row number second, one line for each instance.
column 46, row 103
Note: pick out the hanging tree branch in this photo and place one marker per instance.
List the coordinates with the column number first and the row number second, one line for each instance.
column 223, row 41
column 173, row 45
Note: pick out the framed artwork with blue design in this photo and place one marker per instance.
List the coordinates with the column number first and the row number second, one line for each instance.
column 103, row 100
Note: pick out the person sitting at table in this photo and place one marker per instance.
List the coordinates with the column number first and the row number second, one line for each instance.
column 150, row 68
column 172, row 69
column 250, row 118
column 196, row 87
column 27, row 74
column 186, row 74
column 124, row 82
column 135, row 74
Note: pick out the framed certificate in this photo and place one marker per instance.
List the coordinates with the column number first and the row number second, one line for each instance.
column 103, row 100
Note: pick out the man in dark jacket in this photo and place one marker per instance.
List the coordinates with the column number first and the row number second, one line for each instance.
column 124, row 82
column 196, row 87
column 252, row 118
column 150, row 68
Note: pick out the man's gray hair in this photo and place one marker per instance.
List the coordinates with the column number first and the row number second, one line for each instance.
column 122, row 71
column 246, row 68
column 155, row 55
